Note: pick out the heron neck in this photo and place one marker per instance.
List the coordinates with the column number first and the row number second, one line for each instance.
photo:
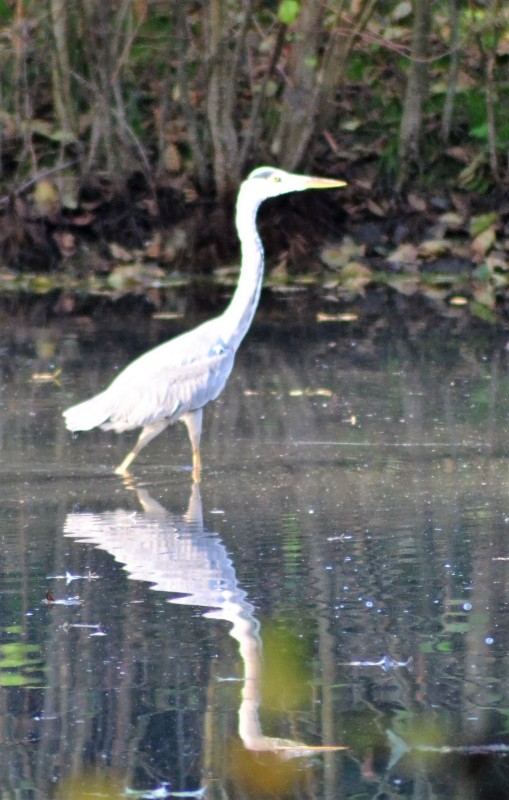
column 239, row 313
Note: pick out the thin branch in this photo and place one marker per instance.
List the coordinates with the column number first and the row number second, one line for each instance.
column 39, row 177
column 260, row 97
column 232, row 85
column 190, row 115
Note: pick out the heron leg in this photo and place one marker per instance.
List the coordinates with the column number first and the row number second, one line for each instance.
column 147, row 434
column 192, row 421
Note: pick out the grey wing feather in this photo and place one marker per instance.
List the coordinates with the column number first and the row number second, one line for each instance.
column 168, row 392
column 178, row 376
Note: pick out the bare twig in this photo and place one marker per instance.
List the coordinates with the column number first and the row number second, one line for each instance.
column 193, row 128
column 4, row 199
column 260, row 96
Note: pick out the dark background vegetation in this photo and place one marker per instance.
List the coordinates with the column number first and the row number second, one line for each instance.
column 126, row 126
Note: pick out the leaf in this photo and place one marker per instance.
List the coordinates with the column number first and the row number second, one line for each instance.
column 452, row 220
column 404, row 254
column 484, row 295
column 482, row 272
column 480, row 132
column 482, row 221
column 120, row 253
column 402, row 10
column 350, row 124
column 309, row 392
column 497, row 261
column 339, row 255
column 481, row 311
column 470, row 173
column 431, row 248
column 416, row 202
column 288, row 11
column 355, row 276
column 45, row 197
column 375, row 208
column 483, row 243
column 406, row 285
column 346, row 316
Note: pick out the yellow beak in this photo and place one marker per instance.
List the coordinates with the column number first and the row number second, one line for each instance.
column 322, row 183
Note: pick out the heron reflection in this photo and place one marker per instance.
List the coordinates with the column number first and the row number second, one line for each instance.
column 177, row 555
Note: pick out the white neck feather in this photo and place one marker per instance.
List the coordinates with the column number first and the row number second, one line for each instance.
column 239, row 314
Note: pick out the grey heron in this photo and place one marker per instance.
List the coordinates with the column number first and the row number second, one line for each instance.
column 176, row 379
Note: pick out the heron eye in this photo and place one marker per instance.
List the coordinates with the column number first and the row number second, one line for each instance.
column 276, row 179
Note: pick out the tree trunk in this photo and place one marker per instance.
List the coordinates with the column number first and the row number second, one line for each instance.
column 299, row 104
column 61, row 69
column 417, row 82
column 221, row 95
column 453, row 71
column 314, row 76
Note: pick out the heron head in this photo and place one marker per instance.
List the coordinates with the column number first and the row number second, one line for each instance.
column 271, row 182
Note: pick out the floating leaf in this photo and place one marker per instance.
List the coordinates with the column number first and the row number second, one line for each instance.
column 308, row 392
column 338, row 256
column 346, row 316
column 131, row 275
column 355, row 276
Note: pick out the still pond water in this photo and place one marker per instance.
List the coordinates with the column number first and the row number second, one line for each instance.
column 339, row 579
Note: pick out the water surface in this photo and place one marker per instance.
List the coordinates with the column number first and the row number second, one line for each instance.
column 337, row 580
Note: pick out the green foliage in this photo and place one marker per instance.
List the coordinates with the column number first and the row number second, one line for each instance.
column 5, row 11
column 288, row 11
column 135, row 75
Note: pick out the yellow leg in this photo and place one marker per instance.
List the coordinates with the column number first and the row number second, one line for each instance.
column 192, row 421
column 123, row 468
column 146, row 436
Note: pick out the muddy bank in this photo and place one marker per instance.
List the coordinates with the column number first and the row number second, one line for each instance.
column 167, row 250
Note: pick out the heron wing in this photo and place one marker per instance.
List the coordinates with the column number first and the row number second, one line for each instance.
column 178, row 376
column 164, row 385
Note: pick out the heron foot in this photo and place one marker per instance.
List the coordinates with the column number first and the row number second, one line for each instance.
column 123, row 468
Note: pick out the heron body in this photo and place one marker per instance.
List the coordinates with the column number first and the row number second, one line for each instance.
column 176, row 379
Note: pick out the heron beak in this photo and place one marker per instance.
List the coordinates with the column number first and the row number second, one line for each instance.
column 323, row 183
